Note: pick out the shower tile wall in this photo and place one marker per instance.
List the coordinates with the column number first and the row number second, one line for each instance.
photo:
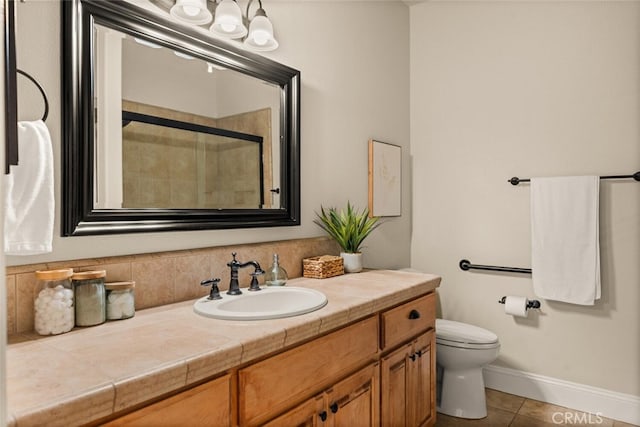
column 168, row 168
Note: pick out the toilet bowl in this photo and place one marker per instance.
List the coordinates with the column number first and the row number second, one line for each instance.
column 461, row 352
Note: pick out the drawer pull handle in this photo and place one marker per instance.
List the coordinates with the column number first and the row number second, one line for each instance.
column 414, row 314
column 334, row 408
column 323, row 415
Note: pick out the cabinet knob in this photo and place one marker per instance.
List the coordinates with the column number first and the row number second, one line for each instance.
column 414, row 314
column 413, row 357
column 334, row 407
column 419, row 353
column 323, row 415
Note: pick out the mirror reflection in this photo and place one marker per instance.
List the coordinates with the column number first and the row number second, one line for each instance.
column 230, row 157
column 176, row 132
column 167, row 163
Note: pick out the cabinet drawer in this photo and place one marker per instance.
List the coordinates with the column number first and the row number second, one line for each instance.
column 208, row 404
column 408, row 320
column 269, row 387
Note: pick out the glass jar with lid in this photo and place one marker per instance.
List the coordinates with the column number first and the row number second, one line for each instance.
column 54, row 302
column 121, row 302
column 90, row 297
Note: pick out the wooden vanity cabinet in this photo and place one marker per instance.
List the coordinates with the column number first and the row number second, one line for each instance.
column 306, row 414
column 270, row 387
column 379, row 371
column 404, row 395
column 425, row 375
column 408, row 396
column 407, row 379
column 209, row 404
column 350, row 402
column 394, row 385
column 354, row 401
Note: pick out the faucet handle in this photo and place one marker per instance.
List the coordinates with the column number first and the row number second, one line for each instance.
column 234, row 262
column 215, row 291
column 254, row 285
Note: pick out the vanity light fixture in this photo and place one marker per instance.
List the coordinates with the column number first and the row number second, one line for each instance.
column 191, row 12
column 228, row 21
column 260, row 31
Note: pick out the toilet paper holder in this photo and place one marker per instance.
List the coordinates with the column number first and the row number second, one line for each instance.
column 530, row 304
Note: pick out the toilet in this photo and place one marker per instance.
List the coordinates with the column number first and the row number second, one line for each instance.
column 462, row 350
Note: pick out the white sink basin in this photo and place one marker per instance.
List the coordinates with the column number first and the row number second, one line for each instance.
column 269, row 303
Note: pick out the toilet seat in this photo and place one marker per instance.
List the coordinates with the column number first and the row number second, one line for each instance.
column 463, row 335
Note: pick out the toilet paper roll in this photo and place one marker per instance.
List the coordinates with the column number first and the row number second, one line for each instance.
column 516, row 306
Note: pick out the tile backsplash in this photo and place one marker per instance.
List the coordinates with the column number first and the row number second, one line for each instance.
column 164, row 277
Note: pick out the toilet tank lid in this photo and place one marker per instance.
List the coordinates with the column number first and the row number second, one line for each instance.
column 463, row 332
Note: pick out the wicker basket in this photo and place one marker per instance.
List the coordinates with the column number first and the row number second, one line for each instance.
column 321, row 267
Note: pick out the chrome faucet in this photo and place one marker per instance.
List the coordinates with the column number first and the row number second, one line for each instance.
column 235, row 265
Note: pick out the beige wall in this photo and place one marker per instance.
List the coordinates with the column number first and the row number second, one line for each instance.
column 502, row 89
column 350, row 93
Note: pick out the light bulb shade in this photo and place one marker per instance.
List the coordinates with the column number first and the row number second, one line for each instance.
column 193, row 12
column 260, row 36
column 146, row 43
column 228, row 20
column 182, row 55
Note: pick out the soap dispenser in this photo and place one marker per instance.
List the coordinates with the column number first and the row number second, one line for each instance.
column 276, row 275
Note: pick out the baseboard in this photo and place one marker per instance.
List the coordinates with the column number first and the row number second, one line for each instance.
column 609, row 404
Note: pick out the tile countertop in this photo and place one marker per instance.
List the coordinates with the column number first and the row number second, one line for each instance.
column 91, row 373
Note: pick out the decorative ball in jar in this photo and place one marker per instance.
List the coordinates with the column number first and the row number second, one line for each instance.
column 121, row 301
column 54, row 302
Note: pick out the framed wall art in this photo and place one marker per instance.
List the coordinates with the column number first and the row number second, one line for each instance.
column 385, row 179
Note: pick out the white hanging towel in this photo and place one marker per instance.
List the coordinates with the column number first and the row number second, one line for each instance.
column 29, row 197
column 565, row 246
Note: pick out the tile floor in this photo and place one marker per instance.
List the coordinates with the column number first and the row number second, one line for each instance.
column 508, row 410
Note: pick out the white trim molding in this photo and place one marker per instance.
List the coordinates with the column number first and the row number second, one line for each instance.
column 607, row 403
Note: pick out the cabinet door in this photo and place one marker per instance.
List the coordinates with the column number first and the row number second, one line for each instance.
column 309, row 413
column 422, row 380
column 394, row 386
column 206, row 405
column 354, row 401
column 408, row 384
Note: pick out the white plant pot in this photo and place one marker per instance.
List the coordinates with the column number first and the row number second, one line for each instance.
column 352, row 262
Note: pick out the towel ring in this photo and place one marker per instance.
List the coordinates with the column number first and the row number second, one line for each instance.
column 41, row 89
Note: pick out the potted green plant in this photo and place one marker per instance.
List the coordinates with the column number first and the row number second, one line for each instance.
column 349, row 228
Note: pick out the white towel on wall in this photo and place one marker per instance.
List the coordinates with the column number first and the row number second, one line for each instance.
column 29, row 196
column 565, row 246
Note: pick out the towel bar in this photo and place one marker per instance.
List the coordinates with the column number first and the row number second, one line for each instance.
column 42, row 92
column 515, row 180
column 466, row 265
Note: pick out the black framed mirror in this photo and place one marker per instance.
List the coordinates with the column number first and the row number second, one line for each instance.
column 172, row 179
column 10, row 87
